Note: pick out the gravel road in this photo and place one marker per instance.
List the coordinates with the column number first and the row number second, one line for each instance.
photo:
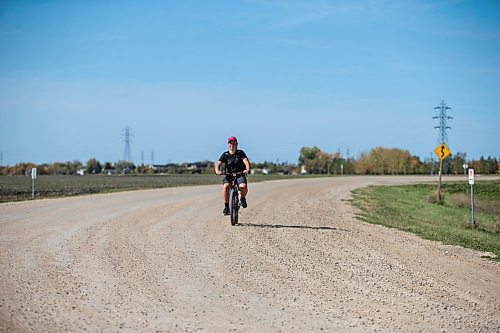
column 166, row 260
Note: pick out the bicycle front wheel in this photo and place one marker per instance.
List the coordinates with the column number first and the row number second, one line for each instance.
column 233, row 206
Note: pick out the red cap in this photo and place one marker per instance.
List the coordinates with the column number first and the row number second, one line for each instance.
column 232, row 138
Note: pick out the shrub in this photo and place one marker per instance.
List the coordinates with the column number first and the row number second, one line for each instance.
column 435, row 199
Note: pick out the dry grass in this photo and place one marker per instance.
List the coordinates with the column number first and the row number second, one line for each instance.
column 433, row 198
column 483, row 205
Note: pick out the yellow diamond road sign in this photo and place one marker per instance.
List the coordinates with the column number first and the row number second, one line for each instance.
column 442, row 151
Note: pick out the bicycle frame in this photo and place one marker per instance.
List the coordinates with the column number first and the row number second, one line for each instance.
column 234, row 198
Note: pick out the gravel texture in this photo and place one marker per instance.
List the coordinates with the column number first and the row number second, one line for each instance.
column 167, row 261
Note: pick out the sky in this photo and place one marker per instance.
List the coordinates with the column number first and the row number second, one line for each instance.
column 345, row 76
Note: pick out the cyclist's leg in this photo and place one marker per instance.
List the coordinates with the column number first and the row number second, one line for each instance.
column 243, row 186
column 243, row 190
column 225, row 196
column 225, row 192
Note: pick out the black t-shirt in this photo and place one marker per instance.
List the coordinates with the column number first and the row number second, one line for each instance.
column 234, row 163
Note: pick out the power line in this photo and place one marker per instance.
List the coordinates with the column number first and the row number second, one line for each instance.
column 443, row 117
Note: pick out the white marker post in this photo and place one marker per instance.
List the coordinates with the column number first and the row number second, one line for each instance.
column 471, row 182
column 33, row 177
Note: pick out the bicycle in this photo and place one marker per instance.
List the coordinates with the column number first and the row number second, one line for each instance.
column 234, row 198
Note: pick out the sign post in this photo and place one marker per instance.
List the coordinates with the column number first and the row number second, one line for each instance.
column 442, row 152
column 471, row 183
column 33, row 177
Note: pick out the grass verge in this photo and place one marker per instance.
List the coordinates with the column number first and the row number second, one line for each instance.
column 408, row 208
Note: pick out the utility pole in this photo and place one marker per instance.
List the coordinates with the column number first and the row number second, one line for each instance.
column 127, row 139
column 432, row 164
column 348, row 164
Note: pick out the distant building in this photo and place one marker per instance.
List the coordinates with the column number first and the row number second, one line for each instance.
column 263, row 171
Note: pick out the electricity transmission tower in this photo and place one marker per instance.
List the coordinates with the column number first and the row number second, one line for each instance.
column 443, row 137
column 443, row 117
column 127, row 139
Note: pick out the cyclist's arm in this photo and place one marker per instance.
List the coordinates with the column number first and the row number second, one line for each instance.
column 217, row 168
column 247, row 165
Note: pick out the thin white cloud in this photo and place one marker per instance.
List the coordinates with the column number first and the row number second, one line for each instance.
column 425, row 16
column 300, row 12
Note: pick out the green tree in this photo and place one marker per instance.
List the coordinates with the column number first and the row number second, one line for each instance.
column 485, row 165
column 492, row 165
column 93, row 166
column 457, row 162
column 314, row 160
column 124, row 167
column 336, row 163
column 308, row 153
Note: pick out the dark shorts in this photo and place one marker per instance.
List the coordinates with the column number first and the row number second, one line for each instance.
column 240, row 180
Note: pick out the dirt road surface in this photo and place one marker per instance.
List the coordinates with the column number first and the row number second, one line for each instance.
column 167, row 261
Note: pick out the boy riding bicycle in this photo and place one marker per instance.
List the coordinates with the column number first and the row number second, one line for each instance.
column 235, row 161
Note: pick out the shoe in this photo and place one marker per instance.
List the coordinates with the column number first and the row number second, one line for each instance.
column 225, row 211
column 244, row 202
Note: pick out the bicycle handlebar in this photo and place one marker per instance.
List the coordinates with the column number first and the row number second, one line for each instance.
column 232, row 174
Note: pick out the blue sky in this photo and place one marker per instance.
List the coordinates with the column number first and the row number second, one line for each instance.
column 279, row 75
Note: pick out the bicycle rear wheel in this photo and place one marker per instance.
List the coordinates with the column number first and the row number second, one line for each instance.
column 233, row 206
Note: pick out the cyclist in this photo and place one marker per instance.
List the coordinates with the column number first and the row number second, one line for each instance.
column 235, row 161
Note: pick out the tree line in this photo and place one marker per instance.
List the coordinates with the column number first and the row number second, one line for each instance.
column 312, row 160
column 392, row 161
column 378, row 161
